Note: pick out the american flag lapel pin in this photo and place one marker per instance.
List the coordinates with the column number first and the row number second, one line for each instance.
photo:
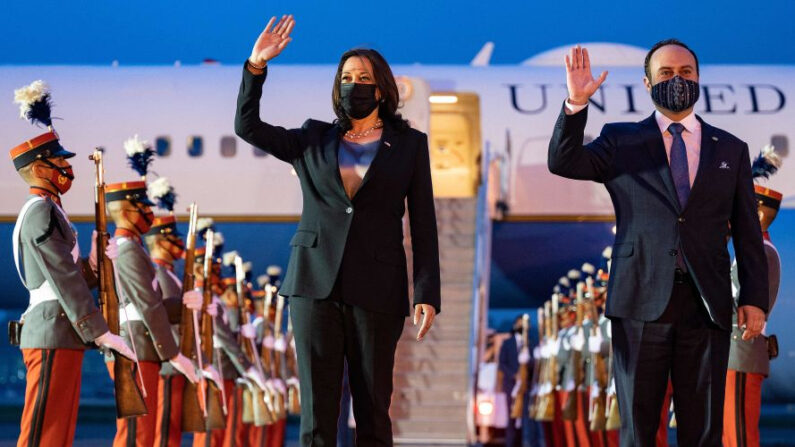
column 387, row 144
column 714, row 138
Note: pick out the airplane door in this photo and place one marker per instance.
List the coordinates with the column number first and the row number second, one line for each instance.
column 454, row 141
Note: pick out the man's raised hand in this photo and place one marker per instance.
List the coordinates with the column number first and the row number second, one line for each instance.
column 579, row 79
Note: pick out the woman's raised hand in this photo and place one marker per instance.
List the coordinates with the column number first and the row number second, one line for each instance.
column 272, row 40
column 579, row 80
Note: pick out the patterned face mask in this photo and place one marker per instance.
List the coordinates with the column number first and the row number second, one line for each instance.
column 675, row 94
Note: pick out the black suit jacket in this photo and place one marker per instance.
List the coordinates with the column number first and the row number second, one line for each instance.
column 630, row 159
column 508, row 364
column 361, row 239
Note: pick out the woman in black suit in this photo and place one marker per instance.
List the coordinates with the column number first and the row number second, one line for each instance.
column 347, row 276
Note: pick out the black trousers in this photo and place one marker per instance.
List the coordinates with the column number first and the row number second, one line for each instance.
column 327, row 333
column 686, row 346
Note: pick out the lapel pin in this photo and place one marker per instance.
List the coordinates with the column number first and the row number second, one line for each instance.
column 714, row 138
column 387, row 144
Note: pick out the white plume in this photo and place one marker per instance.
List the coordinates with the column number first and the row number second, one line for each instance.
column 158, row 188
column 574, row 274
column 588, row 268
column 556, row 289
column 229, row 257
column 607, row 253
column 135, row 145
column 274, row 270
column 262, row 280
column 218, row 238
column 247, row 266
column 769, row 154
column 563, row 281
column 27, row 95
column 204, row 223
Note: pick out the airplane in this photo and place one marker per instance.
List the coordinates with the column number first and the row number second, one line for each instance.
column 506, row 112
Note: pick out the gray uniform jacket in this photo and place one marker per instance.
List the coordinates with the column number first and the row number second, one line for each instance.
column 152, row 333
column 751, row 356
column 171, row 291
column 73, row 320
column 233, row 361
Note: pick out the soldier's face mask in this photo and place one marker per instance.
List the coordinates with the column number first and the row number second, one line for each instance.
column 141, row 217
column 60, row 177
column 174, row 246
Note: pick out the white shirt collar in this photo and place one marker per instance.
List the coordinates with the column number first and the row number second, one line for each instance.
column 691, row 123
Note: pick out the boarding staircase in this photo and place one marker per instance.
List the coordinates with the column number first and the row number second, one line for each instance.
column 434, row 380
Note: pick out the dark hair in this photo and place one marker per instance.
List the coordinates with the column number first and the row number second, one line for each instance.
column 384, row 81
column 663, row 43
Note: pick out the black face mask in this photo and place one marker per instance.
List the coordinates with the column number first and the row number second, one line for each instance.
column 675, row 94
column 358, row 100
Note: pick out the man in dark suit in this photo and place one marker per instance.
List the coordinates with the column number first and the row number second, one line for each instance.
column 676, row 183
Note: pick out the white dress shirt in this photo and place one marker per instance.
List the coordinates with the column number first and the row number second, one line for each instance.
column 691, row 135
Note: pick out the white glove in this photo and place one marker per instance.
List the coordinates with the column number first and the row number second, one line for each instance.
column 116, row 343
column 212, row 308
column 112, row 250
column 185, row 366
column 268, row 342
column 595, row 389
column 293, row 382
column 554, row 347
column 595, row 343
column 524, row 356
column 278, row 385
column 577, row 340
column 192, row 299
column 209, row 372
column 280, row 345
column 247, row 331
column 253, row 374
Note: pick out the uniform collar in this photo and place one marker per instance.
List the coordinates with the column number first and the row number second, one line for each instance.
column 163, row 263
column 123, row 232
column 690, row 122
column 45, row 193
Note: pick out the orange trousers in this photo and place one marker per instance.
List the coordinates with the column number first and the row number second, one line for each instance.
column 169, row 411
column 235, row 433
column 554, row 431
column 269, row 435
column 741, row 409
column 53, row 376
column 140, row 431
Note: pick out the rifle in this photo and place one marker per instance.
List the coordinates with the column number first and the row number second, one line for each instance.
column 213, row 395
column 129, row 398
column 194, row 405
column 596, row 395
column 275, row 400
column 546, row 408
column 576, row 365
column 293, row 386
column 518, row 402
column 254, row 398
column 537, row 367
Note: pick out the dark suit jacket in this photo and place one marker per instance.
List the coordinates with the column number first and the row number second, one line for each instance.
column 361, row 239
column 630, row 159
column 508, row 364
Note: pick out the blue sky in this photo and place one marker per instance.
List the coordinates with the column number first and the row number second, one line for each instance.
column 407, row 31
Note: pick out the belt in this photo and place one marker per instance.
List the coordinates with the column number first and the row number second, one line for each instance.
column 681, row 277
column 39, row 295
column 129, row 313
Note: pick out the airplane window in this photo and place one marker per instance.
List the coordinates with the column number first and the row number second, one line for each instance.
column 163, row 146
column 258, row 152
column 228, row 146
column 195, row 146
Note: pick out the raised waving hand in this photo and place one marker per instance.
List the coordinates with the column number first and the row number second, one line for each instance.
column 272, row 40
column 579, row 80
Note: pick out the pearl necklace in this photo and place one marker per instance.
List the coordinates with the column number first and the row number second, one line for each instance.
column 355, row 136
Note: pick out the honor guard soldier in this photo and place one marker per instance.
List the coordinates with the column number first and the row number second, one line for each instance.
column 749, row 359
column 145, row 321
column 62, row 319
